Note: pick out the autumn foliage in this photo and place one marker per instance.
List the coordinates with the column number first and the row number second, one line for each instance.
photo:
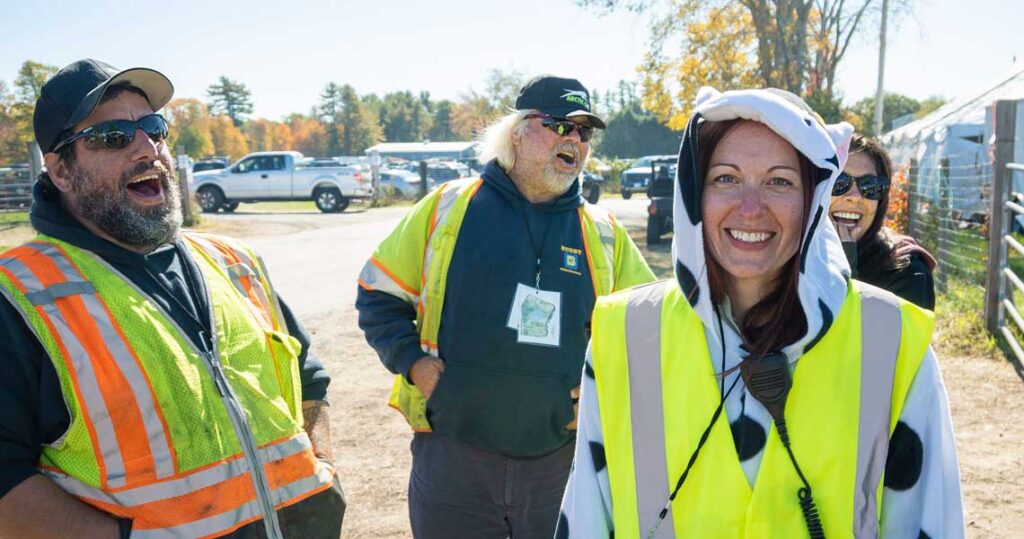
column 897, row 215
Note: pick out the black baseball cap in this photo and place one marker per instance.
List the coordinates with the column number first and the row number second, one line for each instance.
column 555, row 96
column 73, row 93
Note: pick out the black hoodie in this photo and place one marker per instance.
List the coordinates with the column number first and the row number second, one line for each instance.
column 32, row 409
column 496, row 393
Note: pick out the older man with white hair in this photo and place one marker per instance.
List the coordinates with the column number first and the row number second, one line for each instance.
column 479, row 301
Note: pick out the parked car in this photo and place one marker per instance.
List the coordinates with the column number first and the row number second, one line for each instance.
column 405, row 184
column 636, row 178
column 659, row 211
column 266, row 176
column 209, row 164
column 443, row 170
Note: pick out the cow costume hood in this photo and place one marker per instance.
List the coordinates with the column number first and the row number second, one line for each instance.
column 824, row 271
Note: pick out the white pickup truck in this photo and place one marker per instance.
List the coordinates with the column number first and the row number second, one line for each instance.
column 265, row 176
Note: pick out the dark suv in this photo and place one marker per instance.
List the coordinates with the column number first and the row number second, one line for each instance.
column 659, row 190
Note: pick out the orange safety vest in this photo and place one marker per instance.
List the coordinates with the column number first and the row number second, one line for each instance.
column 185, row 442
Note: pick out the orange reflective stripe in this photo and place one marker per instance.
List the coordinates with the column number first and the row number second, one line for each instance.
column 214, row 499
column 60, row 317
column 131, row 435
column 143, row 439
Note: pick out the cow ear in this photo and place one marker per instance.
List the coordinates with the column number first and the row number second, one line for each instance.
column 840, row 134
column 706, row 93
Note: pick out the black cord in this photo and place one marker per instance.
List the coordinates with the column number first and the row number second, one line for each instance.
column 804, row 496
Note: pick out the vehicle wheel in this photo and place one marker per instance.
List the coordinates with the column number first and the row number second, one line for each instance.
column 229, row 207
column 593, row 194
column 343, row 204
column 329, row 200
column 627, row 194
column 653, row 230
column 210, row 199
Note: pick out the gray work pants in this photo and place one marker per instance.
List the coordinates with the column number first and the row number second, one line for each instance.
column 458, row 491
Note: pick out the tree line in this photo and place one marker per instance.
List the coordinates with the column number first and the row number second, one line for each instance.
column 796, row 45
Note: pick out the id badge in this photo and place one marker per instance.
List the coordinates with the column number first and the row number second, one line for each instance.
column 536, row 316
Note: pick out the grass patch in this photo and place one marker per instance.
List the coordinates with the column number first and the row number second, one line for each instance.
column 13, row 217
column 960, row 322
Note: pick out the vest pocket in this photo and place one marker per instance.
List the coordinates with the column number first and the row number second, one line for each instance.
column 284, row 350
column 513, row 413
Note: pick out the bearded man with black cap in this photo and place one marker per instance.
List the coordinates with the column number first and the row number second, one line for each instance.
column 153, row 384
column 479, row 301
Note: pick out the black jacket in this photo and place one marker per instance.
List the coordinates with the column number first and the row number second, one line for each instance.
column 912, row 282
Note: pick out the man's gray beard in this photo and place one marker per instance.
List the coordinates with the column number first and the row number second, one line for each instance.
column 556, row 181
column 113, row 211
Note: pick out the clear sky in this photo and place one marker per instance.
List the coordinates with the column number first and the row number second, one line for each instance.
column 285, row 52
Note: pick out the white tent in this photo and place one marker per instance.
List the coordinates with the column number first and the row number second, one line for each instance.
column 961, row 132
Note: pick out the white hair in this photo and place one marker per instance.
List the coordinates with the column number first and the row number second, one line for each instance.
column 496, row 140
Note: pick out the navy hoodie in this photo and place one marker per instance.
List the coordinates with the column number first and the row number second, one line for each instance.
column 495, row 393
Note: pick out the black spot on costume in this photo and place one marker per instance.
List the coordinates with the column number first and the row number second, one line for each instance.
column 906, row 455
column 562, row 528
column 749, row 437
column 687, row 283
column 597, row 455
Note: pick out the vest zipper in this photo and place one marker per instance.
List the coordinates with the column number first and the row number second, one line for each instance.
column 244, row 433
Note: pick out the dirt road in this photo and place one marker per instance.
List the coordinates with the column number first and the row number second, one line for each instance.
column 314, row 260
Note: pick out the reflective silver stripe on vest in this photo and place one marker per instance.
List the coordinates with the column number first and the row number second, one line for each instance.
column 156, row 437
column 376, row 279
column 81, row 364
column 881, row 324
column 182, row 486
column 643, row 348
column 203, row 527
column 607, row 233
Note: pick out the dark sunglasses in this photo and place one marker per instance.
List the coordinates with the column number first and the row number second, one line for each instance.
column 563, row 127
column 117, row 134
column 870, row 186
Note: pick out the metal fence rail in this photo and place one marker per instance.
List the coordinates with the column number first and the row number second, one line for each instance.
column 1007, row 280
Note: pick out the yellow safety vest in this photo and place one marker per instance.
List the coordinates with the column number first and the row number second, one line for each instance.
column 657, row 390
column 186, row 442
column 412, row 264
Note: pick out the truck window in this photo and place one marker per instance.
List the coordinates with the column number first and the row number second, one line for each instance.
column 248, row 165
column 277, row 162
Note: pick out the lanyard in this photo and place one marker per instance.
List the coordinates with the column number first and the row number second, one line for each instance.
column 538, row 251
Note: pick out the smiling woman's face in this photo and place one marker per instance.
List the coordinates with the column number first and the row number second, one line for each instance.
column 851, row 213
column 753, row 204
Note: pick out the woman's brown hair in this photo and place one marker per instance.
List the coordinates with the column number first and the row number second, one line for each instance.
column 778, row 320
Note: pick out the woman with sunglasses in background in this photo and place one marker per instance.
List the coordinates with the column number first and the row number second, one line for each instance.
column 877, row 254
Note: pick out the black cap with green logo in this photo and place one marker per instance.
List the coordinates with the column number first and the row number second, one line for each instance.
column 558, row 97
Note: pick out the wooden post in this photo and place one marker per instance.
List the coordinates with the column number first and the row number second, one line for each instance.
column 423, row 179
column 184, row 171
column 1005, row 118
